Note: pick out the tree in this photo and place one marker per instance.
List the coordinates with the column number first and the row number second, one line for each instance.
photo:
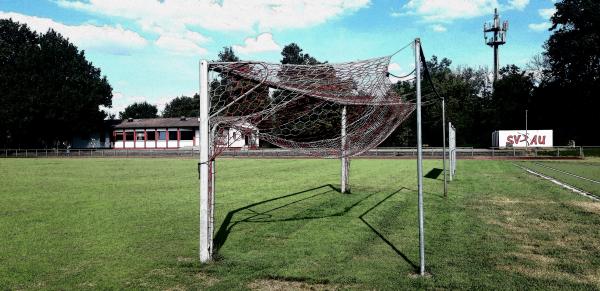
column 466, row 93
column 292, row 54
column 513, row 94
column 182, row 106
column 139, row 110
column 50, row 92
column 570, row 92
column 227, row 55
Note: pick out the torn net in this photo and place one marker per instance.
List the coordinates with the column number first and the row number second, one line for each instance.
column 299, row 107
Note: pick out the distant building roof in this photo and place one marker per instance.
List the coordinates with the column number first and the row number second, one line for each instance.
column 159, row 122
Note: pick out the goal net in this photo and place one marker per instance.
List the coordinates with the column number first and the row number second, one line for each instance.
column 326, row 110
column 299, row 107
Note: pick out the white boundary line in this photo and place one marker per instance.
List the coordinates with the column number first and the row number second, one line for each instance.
column 566, row 186
column 567, row 173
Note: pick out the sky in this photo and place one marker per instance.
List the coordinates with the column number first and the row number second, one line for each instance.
column 150, row 49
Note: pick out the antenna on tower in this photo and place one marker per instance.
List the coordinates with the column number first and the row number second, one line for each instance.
column 498, row 37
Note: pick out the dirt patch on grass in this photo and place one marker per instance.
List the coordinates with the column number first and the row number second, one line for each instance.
column 506, row 200
column 590, row 206
column 544, row 273
column 281, row 285
column 550, row 242
column 206, row 279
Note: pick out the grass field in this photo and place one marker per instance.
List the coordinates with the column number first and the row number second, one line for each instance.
column 133, row 224
column 584, row 175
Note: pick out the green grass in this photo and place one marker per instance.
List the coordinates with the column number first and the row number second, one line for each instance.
column 133, row 224
column 559, row 170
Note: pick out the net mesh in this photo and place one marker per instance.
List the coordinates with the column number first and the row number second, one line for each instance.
column 299, row 107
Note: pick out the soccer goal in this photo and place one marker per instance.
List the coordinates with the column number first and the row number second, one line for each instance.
column 331, row 110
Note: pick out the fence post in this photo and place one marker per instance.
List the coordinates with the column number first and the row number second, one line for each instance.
column 25, row 152
column 514, row 153
column 558, row 152
column 581, row 152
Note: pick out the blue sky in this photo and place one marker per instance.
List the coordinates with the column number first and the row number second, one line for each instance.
column 150, row 49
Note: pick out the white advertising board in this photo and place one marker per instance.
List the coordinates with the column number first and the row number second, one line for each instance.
column 522, row 138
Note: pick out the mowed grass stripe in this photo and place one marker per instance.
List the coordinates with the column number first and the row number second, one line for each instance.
column 133, row 224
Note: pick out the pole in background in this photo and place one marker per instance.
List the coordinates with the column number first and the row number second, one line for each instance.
column 419, row 158
column 526, row 133
column 498, row 38
column 444, row 146
column 205, row 234
column 345, row 165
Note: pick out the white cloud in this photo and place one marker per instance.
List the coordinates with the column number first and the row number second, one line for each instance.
column 397, row 70
column 233, row 15
column 185, row 43
column 546, row 13
column 107, row 39
column 262, row 43
column 446, row 11
column 540, row 26
column 517, row 4
column 439, row 28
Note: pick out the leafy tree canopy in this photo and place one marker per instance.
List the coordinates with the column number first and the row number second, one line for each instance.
column 572, row 78
column 227, row 55
column 182, row 106
column 50, row 92
column 139, row 110
column 292, row 54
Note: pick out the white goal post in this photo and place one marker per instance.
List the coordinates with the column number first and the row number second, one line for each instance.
column 452, row 149
column 326, row 110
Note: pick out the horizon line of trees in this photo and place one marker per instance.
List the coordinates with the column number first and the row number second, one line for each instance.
column 50, row 93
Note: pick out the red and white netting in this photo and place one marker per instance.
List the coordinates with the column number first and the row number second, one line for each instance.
column 299, row 107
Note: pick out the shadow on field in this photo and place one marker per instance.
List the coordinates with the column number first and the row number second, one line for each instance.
column 434, row 173
column 264, row 216
column 383, row 238
column 227, row 225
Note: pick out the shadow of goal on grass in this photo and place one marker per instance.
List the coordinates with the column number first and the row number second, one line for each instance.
column 266, row 217
column 434, row 173
column 381, row 236
column 227, row 225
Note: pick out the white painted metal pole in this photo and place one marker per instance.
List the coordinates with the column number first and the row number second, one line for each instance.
column 420, row 158
column 211, row 202
column 444, row 146
column 344, row 177
column 205, row 237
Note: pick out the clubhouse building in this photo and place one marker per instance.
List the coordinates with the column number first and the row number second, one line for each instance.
column 175, row 133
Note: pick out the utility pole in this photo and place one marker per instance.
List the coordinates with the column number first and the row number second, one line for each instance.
column 497, row 39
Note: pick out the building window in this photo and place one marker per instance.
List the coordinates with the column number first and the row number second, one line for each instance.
column 162, row 135
column 129, row 135
column 172, row 135
column 139, row 135
column 150, row 135
column 119, row 136
column 187, row 135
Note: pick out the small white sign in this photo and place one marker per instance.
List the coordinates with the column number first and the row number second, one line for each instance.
column 522, row 138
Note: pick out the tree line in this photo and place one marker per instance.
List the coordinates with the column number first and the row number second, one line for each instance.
column 49, row 92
